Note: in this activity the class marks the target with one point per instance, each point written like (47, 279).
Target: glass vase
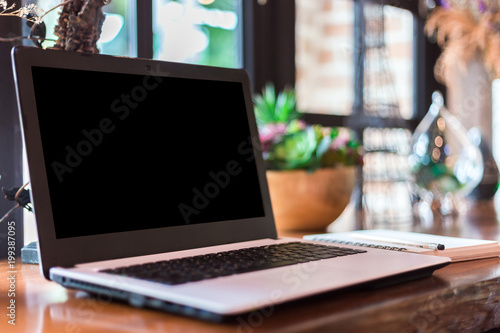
(445, 163)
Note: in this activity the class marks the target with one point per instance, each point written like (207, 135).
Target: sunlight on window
(193, 31)
(111, 27)
(118, 29)
(183, 39)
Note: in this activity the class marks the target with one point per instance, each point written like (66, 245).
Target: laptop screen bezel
(67, 252)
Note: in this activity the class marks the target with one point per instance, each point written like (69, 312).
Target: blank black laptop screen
(128, 152)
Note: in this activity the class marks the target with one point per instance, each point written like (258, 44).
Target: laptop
(148, 183)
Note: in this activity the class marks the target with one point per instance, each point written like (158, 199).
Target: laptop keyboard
(209, 266)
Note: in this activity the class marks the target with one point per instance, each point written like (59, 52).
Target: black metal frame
(269, 42)
(144, 40)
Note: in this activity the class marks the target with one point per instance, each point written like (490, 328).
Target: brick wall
(324, 55)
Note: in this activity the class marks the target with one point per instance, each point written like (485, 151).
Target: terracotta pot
(310, 201)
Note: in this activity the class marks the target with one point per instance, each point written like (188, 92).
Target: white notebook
(456, 248)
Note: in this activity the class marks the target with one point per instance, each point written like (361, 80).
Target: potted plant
(311, 169)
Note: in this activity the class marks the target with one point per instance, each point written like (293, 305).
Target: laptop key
(209, 266)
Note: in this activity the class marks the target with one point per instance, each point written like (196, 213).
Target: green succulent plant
(302, 149)
(276, 108)
(288, 143)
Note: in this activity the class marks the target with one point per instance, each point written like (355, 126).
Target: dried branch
(464, 37)
(28, 12)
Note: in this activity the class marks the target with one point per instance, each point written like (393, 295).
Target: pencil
(423, 245)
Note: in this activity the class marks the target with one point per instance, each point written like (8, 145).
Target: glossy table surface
(460, 297)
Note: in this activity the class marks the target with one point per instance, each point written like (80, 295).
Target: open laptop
(134, 163)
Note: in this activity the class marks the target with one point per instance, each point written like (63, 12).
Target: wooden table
(462, 297)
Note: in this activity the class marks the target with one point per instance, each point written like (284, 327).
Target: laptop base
(137, 300)
(141, 301)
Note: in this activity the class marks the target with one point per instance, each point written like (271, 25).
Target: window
(198, 31)
(207, 32)
(325, 57)
(118, 29)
